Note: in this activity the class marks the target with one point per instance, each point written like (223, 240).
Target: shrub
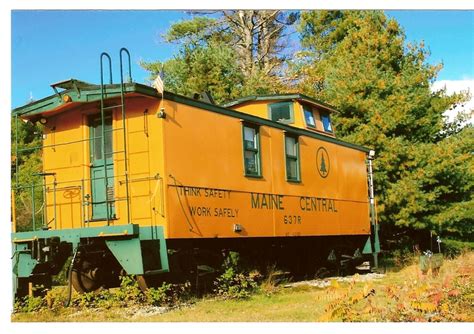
(129, 292)
(56, 298)
(28, 304)
(273, 278)
(159, 296)
(452, 248)
(234, 282)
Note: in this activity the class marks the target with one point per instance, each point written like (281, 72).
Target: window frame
(321, 115)
(305, 107)
(93, 121)
(292, 114)
(256, 151)
(296, 158)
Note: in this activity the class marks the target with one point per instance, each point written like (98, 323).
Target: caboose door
(102, 192)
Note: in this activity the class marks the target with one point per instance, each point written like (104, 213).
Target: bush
(273, 278)
(168, 294)
(452, 248)
(234, 282)
(129, 292)
(28, 304)
(403, 257)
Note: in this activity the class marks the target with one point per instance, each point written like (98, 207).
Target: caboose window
(292, 154)
(326, 121)
(308, 116)
(281, 112)
(251, 151)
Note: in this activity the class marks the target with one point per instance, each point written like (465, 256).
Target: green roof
(82, 92)
(279, 97)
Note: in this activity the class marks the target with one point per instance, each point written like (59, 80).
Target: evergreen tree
(359, 62)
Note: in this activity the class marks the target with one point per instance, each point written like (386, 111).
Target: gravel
(145, 311)
(323, 283)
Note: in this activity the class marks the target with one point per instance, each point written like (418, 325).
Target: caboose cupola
(296, 110)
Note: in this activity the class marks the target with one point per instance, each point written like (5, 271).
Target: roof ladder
(122, 103)
(102, 114)
(103, 108)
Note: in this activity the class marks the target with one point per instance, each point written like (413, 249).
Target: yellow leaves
(367, 290)
(381, 84)
(392, 292)
(423, 306)
(357, 298)
(404, 297)
(334, 284)
(420, 290)
(367, 310)
(326, 317)
(444, 308)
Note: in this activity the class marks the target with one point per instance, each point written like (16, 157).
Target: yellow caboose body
(132, 171)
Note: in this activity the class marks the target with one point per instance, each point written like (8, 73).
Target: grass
(404, 295)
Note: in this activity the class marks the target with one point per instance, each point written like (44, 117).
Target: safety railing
(35, 198)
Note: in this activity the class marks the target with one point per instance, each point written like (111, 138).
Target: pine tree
(359, 62)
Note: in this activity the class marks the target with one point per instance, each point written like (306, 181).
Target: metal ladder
(103, 108)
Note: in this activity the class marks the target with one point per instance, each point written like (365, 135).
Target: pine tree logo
(322, 162)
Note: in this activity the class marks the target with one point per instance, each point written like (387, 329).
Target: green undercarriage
(138, 250)
(37, 255)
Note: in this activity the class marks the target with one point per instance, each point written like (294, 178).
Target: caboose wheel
(86, 277)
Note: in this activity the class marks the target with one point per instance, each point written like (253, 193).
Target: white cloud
(456, 86)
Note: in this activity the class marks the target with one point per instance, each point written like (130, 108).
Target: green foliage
(126, 295)
(435, 191)
(62, 277)
(272, 279)
(238, 53)
(129, 292)
(212, 68)
(358, 62)
(168, 294)
(197, 31)
(402, 257)
(56, 298)
(234, 282)
(27, 136)
(455, 247)
(159, 296)
(28, 304)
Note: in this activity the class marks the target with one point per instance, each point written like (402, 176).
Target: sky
(51, 46)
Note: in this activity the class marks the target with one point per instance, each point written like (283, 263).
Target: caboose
(154, 184)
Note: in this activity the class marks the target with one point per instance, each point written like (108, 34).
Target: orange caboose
(135, 179)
